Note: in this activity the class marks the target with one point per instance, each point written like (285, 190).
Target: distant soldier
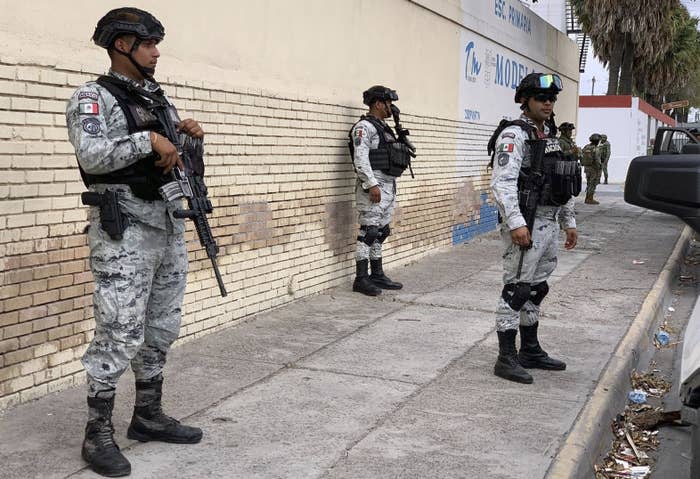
(378, 159)
(568, 145)
(604, 148)
(592, 165)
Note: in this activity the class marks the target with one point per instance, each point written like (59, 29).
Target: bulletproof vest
(391, 156)
(143, 177)
(561, 173)
(588, 155)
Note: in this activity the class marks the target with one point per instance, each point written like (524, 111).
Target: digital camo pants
(374, 214)
(538, 264)
(139, 286)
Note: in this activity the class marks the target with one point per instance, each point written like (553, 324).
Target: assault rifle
(189, 184)
(529, 191)
(402, 135)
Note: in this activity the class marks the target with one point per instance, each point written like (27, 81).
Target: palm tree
(626, 32)
(671, 76)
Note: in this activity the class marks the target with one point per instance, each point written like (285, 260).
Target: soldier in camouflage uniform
(592, 164)
(138, 254)
(530, 256)
(372, 146)
(604, 148)
(567, 143)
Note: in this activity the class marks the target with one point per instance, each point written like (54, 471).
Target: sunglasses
(544, 97)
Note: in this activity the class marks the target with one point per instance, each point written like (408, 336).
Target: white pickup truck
(669, 181)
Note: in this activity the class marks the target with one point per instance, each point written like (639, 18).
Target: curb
(585, 441)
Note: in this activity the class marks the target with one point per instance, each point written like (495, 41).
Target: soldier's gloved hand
(571, 238)
(375, 194)
(167, 152)
(191, 128)
(521, 236)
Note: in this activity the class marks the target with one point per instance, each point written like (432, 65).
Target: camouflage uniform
(568, 147)
(592, 167)
(366, 137)
(540, 260)
(139, 280)
(604, 149)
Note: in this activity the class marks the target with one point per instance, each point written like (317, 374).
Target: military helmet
(567, 126)
(127, 21)
(378, 93)
(603, 137)
(594, 137)
(535, 83)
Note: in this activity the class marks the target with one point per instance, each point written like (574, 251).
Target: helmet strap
(146, 72)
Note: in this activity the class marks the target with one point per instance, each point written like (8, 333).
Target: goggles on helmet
(549, 80)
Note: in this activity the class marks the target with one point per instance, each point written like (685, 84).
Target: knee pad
(384, 233)
(516, 295)
(540, 290)
(370, 236)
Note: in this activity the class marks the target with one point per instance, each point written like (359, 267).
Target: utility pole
(593, 85)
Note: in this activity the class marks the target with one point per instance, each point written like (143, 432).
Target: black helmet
(595, 137)
(535, 83)
(127, 21)
(378, 93)
(567, 126)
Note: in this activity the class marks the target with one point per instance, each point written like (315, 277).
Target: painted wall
(629, 129)
(276, 85)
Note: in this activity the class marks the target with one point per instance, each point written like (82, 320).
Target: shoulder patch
(91, 95)
(360, 132)
(508, 134)
(506, 148)
(91, 126)
(503, 159)
(91, 108)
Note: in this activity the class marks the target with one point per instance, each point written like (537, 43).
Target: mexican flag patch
(505, 148)
(89, 108)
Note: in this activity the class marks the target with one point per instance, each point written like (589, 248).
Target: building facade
(276, 85)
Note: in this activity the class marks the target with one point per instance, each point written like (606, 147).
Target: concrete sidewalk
(401, 386)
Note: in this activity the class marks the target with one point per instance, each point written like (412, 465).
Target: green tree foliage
(627, 35)
(677, 75)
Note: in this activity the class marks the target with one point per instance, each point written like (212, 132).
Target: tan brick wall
(282, 186)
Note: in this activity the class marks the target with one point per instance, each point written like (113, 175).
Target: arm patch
(91, 126)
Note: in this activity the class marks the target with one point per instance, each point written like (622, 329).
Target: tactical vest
(143, 177)
(588, 155)
(562, 175)
(561, 172)
(391, 156)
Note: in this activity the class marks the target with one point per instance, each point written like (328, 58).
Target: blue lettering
(521, 69)
(498, 8)
(472, 114)
(509, 73)
(499, 69)
(519, 20)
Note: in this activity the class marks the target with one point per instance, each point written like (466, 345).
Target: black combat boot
(379, 278)
(362, 282)
(532, 355)
(150, 424)
(507, 365)
(99, 449)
